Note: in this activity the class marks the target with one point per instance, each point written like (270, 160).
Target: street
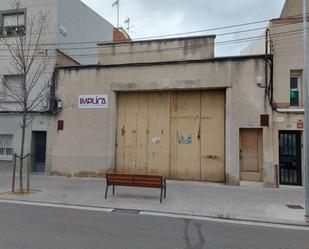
(34, 227)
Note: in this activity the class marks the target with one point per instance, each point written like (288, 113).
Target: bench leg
(106, 191)
(113, 190)
(161, 195)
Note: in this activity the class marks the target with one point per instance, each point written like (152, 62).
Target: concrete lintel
(179, 85)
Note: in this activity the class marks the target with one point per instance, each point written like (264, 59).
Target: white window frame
(297, 75)
(5, 147)
(18, 17)
(14, 29)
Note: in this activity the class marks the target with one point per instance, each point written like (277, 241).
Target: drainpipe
(266, 57)
(305, 76)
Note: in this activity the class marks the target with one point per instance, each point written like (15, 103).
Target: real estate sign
(93, 101)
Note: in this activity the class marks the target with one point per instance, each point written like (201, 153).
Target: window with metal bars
(6, 148)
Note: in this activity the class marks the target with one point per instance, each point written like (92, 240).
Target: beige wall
(88, 140)
(287, 49)
(287, 41)
(64, 60)
(87, 143)
(189, 48)
(293, 8)
(245, 101)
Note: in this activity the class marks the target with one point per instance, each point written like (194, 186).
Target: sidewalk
(188, 198)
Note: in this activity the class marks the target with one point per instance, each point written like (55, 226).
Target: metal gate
(290, 158)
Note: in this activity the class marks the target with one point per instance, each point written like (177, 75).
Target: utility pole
(127, 21)
(116, 3)
(306, 98)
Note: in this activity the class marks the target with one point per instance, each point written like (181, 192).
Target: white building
(73, 32)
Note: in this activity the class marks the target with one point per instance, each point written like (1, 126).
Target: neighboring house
(286, 39)
(73, 32)
(165, 107)
(119, 34)
(285, 45)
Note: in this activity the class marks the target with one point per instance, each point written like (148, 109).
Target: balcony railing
(13, 30)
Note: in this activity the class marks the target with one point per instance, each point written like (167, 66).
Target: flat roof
(143, 64)
(158, 40)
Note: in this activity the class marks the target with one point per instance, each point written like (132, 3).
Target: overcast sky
(160, 17)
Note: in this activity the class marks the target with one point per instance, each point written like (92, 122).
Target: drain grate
(294, 206)
(126, 211)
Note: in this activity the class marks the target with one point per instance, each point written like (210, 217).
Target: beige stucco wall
(64, 60)
(287, 49)
(293, 8)
(288, 55)
(176, 49)
(245, 102)
(88, 140)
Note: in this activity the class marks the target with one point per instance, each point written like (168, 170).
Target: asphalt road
(33, 227)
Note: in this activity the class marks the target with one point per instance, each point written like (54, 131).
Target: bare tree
(31, 67)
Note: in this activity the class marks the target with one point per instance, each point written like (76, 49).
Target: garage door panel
(121, 117)
(212, 153)
(185, 144)
(173, 148)
(130, 159)
(211, 101)
(212, 136)
(186, 104)
(187, 156)
(130, 141)
(159, 132)
(142, 133)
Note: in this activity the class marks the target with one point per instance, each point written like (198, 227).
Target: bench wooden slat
(132, 180)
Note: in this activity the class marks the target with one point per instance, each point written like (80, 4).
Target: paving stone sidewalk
(189, 198)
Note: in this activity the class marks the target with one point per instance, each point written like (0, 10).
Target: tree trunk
(23, 127)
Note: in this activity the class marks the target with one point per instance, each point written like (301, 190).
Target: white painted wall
(83, 25)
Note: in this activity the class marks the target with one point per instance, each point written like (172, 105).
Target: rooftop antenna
(116, 3)
(127, 21)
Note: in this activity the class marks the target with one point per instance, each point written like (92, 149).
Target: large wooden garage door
(143, 133)
(177, 134)
(185, 141)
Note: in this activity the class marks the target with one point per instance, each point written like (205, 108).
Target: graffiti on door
(185, 140)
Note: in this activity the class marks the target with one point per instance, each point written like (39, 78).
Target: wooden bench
(132, 180)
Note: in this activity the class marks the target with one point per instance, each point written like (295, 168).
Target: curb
(156, 212)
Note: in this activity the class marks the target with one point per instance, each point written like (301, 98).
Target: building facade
(284, 42)
(165, 107)
(73, 31)
(171, 107)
